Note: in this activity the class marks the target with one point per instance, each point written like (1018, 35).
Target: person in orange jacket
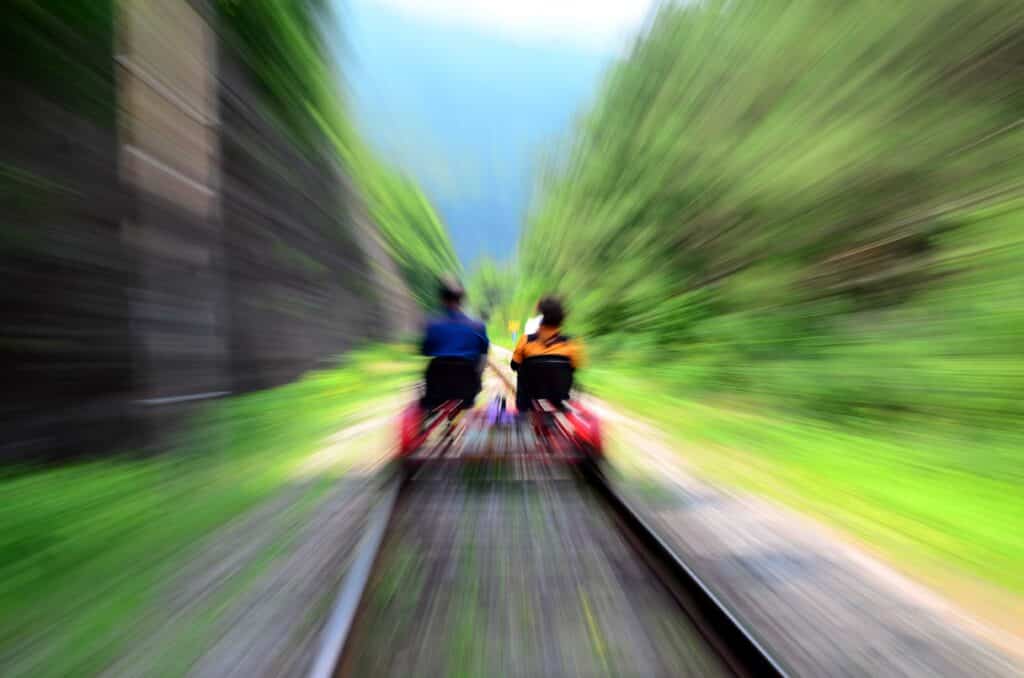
(547, 341)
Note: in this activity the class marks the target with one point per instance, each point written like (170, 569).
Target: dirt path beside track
(252, 598)
(822, 606)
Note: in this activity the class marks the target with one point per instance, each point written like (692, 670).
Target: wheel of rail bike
(415, 425)
(452, 423)
(586, 428)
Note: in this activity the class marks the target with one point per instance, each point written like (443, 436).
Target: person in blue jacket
(458, 346)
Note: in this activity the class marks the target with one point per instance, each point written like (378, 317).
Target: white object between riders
(532, 325)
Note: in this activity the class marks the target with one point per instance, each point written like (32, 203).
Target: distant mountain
(467, 114)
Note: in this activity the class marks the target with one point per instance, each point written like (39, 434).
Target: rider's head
(451, 291)
(552, 310)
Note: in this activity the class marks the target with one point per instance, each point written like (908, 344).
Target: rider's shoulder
(557, 339)
(471, 321)
(449, 319)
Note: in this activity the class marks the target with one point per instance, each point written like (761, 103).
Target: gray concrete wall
(169, 133)
(64, 277)
(175, 248)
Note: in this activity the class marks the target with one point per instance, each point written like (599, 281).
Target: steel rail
(735, 645)
(336, 632)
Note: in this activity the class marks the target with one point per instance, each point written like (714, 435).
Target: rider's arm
(577, 356)
(429, 344)
(518, 354)
(485, 338)
(485, 347)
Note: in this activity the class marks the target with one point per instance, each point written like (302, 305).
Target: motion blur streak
(184, 215)
(805, 221)
(188, 214)
(789, 232)
(474, 569)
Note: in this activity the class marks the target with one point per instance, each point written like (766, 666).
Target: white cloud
(602, 25)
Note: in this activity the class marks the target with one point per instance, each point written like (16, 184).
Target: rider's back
(455, 335)
(457, 345)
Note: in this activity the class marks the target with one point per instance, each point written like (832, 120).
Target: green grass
(194, 631)
(936, 497)
(84, 548)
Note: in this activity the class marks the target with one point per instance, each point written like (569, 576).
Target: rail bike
(544, 420)
(547, 436)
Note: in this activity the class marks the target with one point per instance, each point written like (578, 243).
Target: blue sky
(466, 95)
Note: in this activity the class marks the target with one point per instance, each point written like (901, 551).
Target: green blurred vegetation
(943, 499)
(285, 45)
(90, 544)
(65, 49)
(416, 237)
(491, 290)
(808, 216)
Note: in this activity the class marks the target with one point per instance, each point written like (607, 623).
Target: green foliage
(921, 492)
(796, 229)
(789, 195)
(84, 548)
(284, 45)
(490, 289)
(416, 237)
(63, 49)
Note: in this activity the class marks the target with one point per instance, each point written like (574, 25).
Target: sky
(467, 95)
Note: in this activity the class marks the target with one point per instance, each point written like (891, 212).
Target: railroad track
(367, 632)
(466, 570)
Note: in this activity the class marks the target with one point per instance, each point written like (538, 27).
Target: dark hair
(552, 310)
(450, 289)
